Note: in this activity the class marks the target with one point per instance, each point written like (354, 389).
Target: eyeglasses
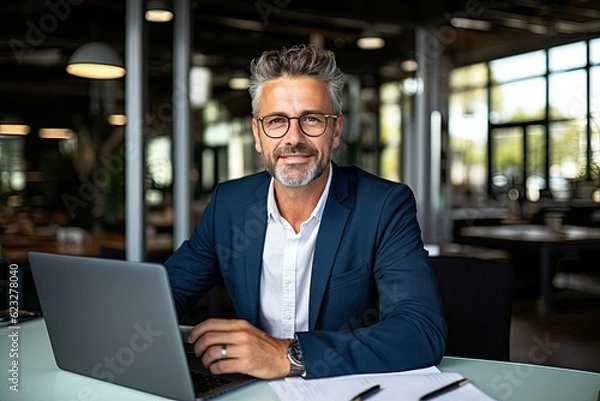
(311, 124)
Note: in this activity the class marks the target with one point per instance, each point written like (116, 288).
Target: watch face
(296, 352)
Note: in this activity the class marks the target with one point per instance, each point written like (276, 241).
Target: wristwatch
(294, 355)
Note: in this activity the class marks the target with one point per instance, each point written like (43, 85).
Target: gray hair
(293, 62)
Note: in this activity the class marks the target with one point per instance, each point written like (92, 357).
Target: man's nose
(295, 134)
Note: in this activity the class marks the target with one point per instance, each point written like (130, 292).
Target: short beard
(310, 176)
(302, 179)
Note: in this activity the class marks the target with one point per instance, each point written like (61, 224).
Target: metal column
(418, 143)
(134, 132)
(182, 132)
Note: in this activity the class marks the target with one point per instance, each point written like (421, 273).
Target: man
(324, 264)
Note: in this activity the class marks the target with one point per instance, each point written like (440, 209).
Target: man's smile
(294, 158)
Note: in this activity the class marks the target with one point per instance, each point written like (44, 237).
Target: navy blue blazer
(374, 301)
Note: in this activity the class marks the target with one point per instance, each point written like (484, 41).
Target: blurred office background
(488, 109)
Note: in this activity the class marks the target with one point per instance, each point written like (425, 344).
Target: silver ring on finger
(223, 352)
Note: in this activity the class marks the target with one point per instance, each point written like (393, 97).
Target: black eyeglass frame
(326, 116)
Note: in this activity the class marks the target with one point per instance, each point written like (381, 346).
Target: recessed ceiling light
(13, 125)
(470, 23)
(117, 119)
(409, 65)
(55, 133)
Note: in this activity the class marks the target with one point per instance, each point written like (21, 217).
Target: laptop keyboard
(204, 382)
(202, 379)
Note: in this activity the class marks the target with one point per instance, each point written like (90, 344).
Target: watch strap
(297, 367)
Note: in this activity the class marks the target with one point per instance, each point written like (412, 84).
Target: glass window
(567, 155)
(469, 76)
(595, 51)
(595, 93)
(158, 161)
(595, 142)
(536, 149)
(390, 163)
(390, 120)
(12, 164)
(518, 67)
(468, 143)
(568, 94)
(390, 93)
(507, 160)
(530, 150)
(595, 117)
(469, 103)
(518, 101)
(568, 56)
(536, 162)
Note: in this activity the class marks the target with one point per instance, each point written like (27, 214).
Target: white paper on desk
(406, 386)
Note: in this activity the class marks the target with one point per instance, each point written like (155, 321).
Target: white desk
(39, 379)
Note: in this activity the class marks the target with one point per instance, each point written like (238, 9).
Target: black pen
(445, 389)
(367, 393)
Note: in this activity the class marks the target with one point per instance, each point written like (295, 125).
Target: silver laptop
(115, 321)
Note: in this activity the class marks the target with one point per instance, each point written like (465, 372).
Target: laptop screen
(115, 321)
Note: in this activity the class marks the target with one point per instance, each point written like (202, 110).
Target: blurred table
(543, 239)
(453, 249)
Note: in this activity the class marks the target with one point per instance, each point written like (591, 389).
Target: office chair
(477, 297)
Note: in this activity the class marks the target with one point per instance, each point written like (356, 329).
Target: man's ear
(256, 135)
(337, 132)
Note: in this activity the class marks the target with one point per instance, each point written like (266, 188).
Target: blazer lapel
(255, 226)
(335, 218)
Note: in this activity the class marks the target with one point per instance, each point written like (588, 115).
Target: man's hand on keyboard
(236, 346)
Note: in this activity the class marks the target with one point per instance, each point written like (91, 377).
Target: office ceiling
(38, 36)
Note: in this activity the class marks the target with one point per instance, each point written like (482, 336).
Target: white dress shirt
(286, 269)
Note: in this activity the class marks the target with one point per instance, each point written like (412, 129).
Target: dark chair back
(477, 296)
(587, 216)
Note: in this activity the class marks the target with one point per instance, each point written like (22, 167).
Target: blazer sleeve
(193, 269)
(410, 331)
